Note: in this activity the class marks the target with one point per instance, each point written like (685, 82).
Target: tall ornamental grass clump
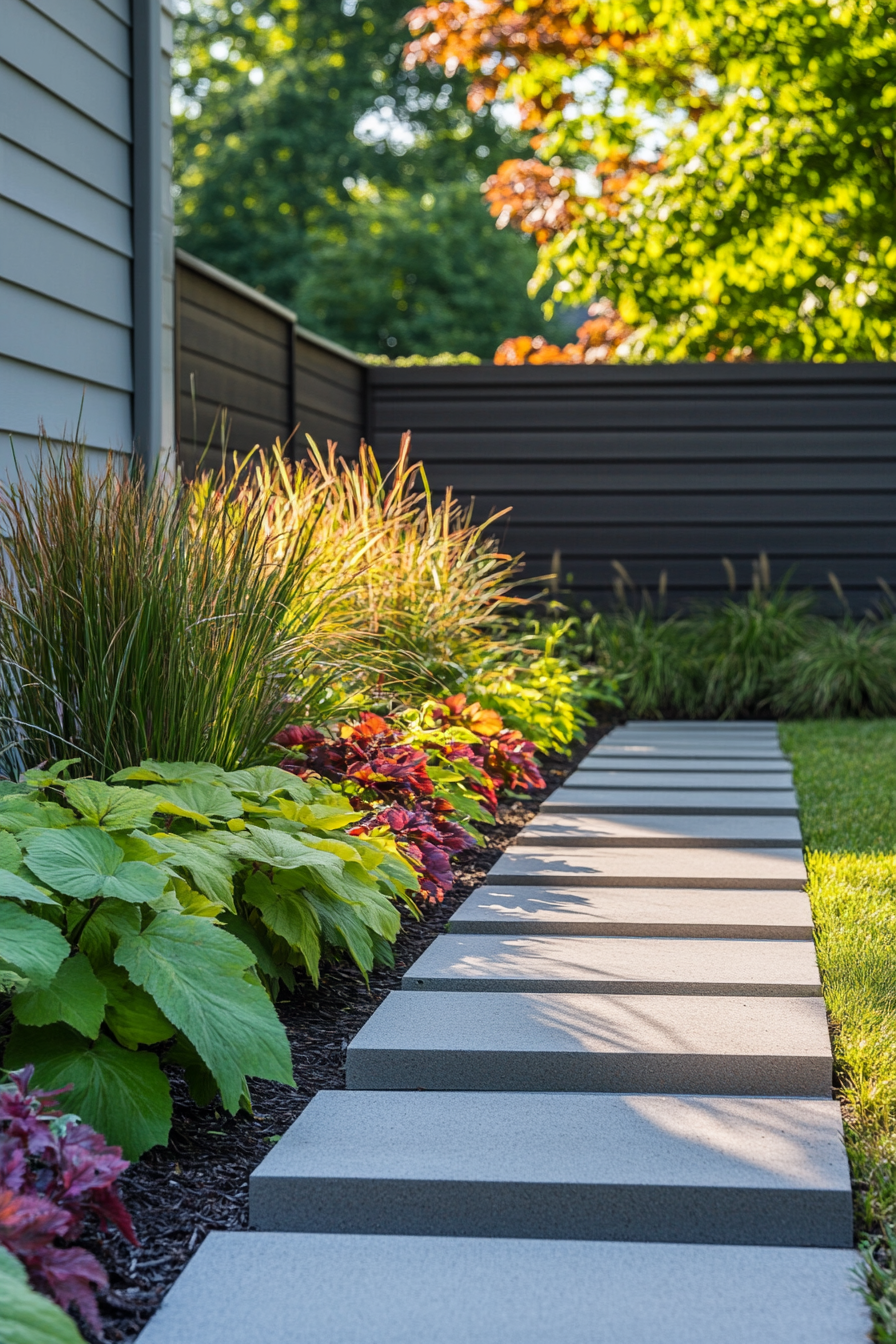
(427, 610)
(140, 619)
(433, 587)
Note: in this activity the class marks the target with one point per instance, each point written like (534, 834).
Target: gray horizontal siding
(31, 395)
(65, 194)
(65, 200)
(39, 331)
(664, 467)
(33, 118)
(60, 62)
(95, 26)
(48, 258)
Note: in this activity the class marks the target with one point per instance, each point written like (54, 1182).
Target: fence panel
(665, 467)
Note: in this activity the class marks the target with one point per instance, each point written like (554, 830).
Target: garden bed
(200, 1182)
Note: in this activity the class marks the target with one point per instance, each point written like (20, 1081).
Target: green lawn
(845, 774)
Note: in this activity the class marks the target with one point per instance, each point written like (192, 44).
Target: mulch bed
(200, 1182)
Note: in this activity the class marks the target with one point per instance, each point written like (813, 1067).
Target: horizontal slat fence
(246, 374)
(665, 467)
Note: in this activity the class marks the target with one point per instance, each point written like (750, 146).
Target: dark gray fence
(664, 467)
(668, 467)
(239, 352)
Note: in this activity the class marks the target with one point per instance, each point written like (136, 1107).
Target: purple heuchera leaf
(54, 1170)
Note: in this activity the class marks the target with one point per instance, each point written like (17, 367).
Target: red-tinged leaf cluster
(534, 197)
(427, 837)
(388, 779)
(371, 754)
(54, 1170)
(598, 340)
(503, 755)
(493, 39)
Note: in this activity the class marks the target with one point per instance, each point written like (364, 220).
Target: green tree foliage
(723, 170)
(430, 272)
(309, 164)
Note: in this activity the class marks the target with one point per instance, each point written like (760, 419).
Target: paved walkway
(599, 1110)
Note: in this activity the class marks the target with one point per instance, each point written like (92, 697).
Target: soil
(200, 1182)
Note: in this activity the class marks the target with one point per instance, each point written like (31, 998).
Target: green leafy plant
(168, 913)
(27, 1317)
(842, 669)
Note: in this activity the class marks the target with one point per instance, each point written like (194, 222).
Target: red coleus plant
(54, 1170)
(389, 782)
(503, 754)
(388, 777)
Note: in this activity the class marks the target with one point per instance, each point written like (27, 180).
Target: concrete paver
(672, 802)
(644, 866)
(478, 963)
(736, 1170)
(524, 1042)
(662, 830)
(295, 1288)
(651, 912)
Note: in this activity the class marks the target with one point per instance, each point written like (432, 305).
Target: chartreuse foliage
(168, 907)
(845, 777)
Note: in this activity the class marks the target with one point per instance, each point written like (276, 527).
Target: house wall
(67, 192)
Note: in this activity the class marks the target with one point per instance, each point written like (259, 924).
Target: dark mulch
(200, 1182)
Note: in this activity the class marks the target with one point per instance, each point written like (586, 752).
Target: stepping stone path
(597, 1112)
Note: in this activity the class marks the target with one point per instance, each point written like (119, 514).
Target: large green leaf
(206, 858)
(171, 772)
(114, 809)
(40, 778)
(199, 801)
(29, 944)
(288, 915)
(263, 781)
(195, 971)
(131, 1015)
(26, 1316)
(342, 927)
(200, 1080)
(254, 940)
(86, 862)
(15, 888)
(74, 995)
(106, 925)
(10, 853)
(22, 814)
(122, 1093)
(275, 849)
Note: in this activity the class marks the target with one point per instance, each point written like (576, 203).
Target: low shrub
(54, 1171)
(169, 913)
(765, 654)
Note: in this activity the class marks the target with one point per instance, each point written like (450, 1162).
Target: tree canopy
(722, 171)
(310, 164)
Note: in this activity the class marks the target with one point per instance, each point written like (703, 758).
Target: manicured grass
(845, 773)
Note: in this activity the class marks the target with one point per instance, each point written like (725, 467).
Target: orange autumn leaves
(599, 338)
(499, 42)
(494, 40)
